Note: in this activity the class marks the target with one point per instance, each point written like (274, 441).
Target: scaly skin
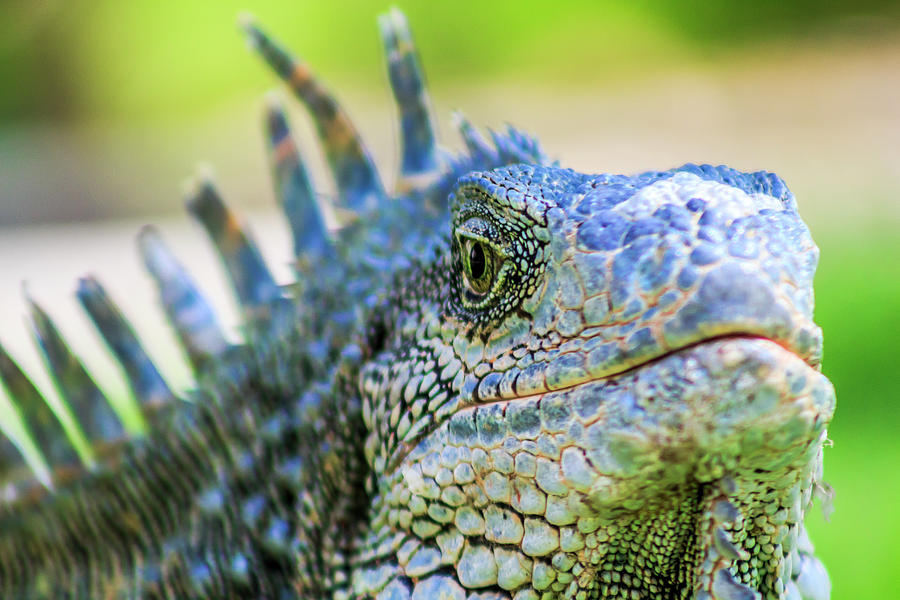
(632, 411)
(515, 381)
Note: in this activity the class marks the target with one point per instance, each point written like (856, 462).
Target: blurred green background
(106, 105)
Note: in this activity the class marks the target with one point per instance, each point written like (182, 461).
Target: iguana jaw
(717, 400)
(729, 346)
(655, 449)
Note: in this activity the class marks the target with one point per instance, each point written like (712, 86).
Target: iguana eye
(481, 264)
(478, 266)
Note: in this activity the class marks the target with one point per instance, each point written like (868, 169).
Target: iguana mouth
(813, 361)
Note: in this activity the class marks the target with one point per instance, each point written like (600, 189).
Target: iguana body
(513, 381)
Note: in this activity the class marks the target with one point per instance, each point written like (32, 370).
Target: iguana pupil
(477, 264)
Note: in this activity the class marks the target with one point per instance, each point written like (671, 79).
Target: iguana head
(606, 384)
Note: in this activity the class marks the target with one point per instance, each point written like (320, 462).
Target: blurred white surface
(49, 260)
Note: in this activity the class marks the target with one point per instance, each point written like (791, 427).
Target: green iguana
(504, 379)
